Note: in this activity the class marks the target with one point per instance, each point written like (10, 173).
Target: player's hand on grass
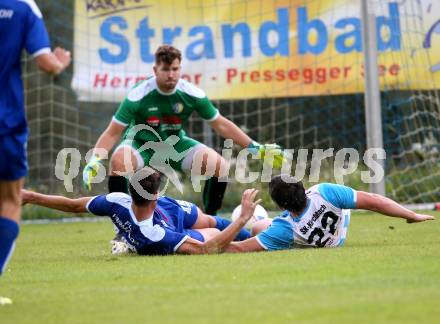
(420, 218)
(273, 149)
(90, 171)
(248, 204)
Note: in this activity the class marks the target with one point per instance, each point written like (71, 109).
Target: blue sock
(222, 223)
(8, 233)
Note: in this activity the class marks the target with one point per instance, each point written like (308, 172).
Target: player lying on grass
(317, 217)
(158, 226)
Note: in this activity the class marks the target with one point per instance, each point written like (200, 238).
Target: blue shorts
(195, 235)
(183, 214)
(13, 158)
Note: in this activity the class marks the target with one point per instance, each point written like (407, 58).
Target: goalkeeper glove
(273, 149)
(90, 171)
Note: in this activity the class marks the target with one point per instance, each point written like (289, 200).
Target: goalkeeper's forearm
(228, 130)
(108, 139)
(59, 202)
(105, 143)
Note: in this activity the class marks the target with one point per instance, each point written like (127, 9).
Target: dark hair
(149, 180)
(167, 54)
(288, 195)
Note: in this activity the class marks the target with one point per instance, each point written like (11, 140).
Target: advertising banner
(254, 49)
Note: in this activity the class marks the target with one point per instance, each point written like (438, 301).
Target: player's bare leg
(211, 160)
(10, 199)
(260, 226)
(123, 161)
(205, 221)
(10, 215)
(208, 233)
(212, 164)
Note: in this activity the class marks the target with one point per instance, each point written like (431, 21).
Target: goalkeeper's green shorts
(144, 155)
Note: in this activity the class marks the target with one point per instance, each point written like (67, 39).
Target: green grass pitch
(388, 272)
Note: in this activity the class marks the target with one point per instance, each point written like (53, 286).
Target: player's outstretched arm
(228, 130)
(219, 242)
(386, 206)
(54, 62)
(249, 245)
(55, 202)
(109, 137)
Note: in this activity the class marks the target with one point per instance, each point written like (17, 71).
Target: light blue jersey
(323, 223)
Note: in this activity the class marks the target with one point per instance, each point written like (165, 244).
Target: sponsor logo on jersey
(172, 123)
(178, 107)
(124, 227)
(153, 121)
(6, 14)
(313, 219)
(153, 109)
(172, 120)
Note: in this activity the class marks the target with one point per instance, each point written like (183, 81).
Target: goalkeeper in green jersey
(155, 110)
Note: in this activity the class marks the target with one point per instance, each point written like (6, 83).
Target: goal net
(289, 72)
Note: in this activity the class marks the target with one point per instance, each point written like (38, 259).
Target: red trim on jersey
(174, 120)
(163, 215)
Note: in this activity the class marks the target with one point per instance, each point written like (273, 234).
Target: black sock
(213, 193)
(117, 184)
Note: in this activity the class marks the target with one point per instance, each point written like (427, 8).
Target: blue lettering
(304, 27)
(115, 39)
(228, 39)
(281, 28)
(273, 36)
(144, 33)
(206, 43)
(168, 34)
(393, 24)
(356, 36)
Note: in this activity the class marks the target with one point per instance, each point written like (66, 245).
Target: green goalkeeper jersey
(166, 113)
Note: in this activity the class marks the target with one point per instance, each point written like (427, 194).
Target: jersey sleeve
(206, 109)
(99, 206)
(278, 236)
(126, 112)
(338, 195)
(164, 240)
(36, 38)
